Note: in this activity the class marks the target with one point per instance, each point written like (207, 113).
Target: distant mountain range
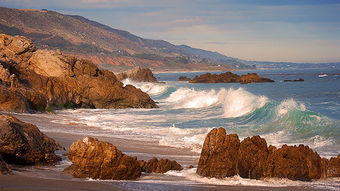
(107, 47)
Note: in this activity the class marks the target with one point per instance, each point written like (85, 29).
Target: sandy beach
(52, 178)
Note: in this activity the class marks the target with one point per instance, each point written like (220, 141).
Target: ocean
(282, 112)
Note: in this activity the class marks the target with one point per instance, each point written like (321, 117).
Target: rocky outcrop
(252, 78)
(253, 155)
(60, 80)
(4, 168)
(138, 74)
(101, 160)
(331, 167)
(298, 80)
(295, 163)
(159, 166)
(219, 156)
(224, 156)
(23, 143)
(183, 78)
(229, 77)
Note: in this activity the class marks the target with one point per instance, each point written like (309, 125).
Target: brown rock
(333, 169)
(183, 78)
(4, 168)
(160, 166)
(138, 74)
(253, 155)
(229, 77)
(101, 160)
(219, 156)
(190, 167)
(295, 163)
(253, 77)
(61, 80)
(23, 143)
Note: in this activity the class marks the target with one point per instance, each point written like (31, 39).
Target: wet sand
(52, 179)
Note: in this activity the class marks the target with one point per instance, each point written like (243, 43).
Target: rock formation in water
(183, 78)
(23, 143)
(137, 74)
(294, 162)
(253, 155)
(229, 77)
(219, 156)
(159, 166)
(298, 80)
(224, 156)
(33, 80)
(101, 160)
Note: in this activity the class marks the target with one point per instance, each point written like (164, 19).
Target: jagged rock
(219, 156)
(21, 100)
(138, 74)
(253, 155)
(332, 167)
(4, 168)
(159, 166)
(229, 77)
(252, 77)
(23, 143)
(295, 163)
(183, 78)
(63, 80)
(101, 160)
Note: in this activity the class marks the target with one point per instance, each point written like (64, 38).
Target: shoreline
(45, 178)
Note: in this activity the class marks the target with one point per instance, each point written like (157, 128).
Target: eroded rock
(101, 160)
(138, 74)
(219, 156)
(23, 143)
(160, 166)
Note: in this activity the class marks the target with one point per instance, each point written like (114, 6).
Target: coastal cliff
(38, 80)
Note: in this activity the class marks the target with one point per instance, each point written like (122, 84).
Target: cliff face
(43, 78)
(106, 46)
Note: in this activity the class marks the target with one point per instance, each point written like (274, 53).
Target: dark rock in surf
(159, 166)
(183, 78)
(23, 143)
(101, 160)
(252, 159)
(229, 77)
(137, 74)
(295, 163)
(219, 156)
(298, 80)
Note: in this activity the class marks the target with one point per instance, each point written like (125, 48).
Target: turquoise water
(282, 112)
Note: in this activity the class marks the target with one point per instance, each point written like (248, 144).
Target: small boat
(322, 75)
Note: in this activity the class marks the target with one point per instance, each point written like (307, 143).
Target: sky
(261, 30)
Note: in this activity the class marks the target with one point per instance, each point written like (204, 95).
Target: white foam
(288, 105)
(150, 88)
(235, 102)
(190, 174)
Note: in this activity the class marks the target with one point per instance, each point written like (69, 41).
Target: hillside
(107, 47)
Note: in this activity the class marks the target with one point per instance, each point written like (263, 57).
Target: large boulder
(183, 78)
(219, 156)
(295, 163)
(101, 160)
(23, 143)
(4, 168)
(331, 167)
(160, 166)
(62, 79)
(138, 74)
(229, 77)
(253, 155)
